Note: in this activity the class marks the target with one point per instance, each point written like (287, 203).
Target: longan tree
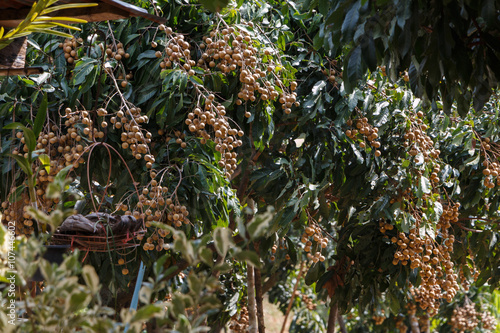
(264, 158)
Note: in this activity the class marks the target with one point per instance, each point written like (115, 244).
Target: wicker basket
(99, 243)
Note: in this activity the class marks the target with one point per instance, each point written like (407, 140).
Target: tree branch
(252, 315)
(340, 319)
(258, 299)
(332, 317)
(292, 297)
(414, 324)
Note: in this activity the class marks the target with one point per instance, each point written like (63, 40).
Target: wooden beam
(107, 10)
(14, 54)
(21, 71)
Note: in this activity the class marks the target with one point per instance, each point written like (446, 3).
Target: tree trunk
(414, 324)
(258, 299)
(424, 324)
(343, 329)
(290, 304)
(252, 316)
(332, 318)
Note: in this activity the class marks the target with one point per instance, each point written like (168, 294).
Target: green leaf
(472, 161)
(195, 80)
(91, 279)
(82, 70)
(61, 175)
(260, 224)
(394, 303)
(249, 256)
(206, 256)
(314, 273)
(40, 116)
(77, 301)
(50, 32)
(223, 241)
(16, 195)
(147, 312)
(350, 22)
(354, 69)
(424, 186)
(214, 5)
(369, 54)
(29, 136)
(23, 164)
(317, 87)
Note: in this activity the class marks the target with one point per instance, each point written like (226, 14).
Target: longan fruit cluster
(491, 170)
(179, 137)
(117, 53)
(379, 319)
(438, 279)
(383, 70)
(449, 216)
(157, 206)
(158, 236)
(125, 81)
(405, 76)
(474, 272)
(467, 319)
(418, 140)
(58, 148)
(177, 52)
(70, 49)
(150, 207)
(423, 323)
(124, 270)
(82, 117)
(132, 136)
(308, 301)
(434, 177)
(332, 73)
(178, 214)
(225, 137)
(320, 242)
(464, 318)
(230, 50)
(384, 226)
(239, 323)
(400, 325)
(282, 246)
(488, 321)
(17, 212)
(364, 131)
(234, 50)
(63, 148)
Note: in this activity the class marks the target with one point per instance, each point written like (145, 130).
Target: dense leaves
(448, 50)
(358, 162)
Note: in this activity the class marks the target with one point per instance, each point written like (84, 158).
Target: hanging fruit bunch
(233, 49)
(432, 259)
(70, 48)
(361, 131)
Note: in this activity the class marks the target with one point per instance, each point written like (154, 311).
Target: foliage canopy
(328, 150)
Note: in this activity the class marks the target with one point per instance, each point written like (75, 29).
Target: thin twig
(292, 298)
